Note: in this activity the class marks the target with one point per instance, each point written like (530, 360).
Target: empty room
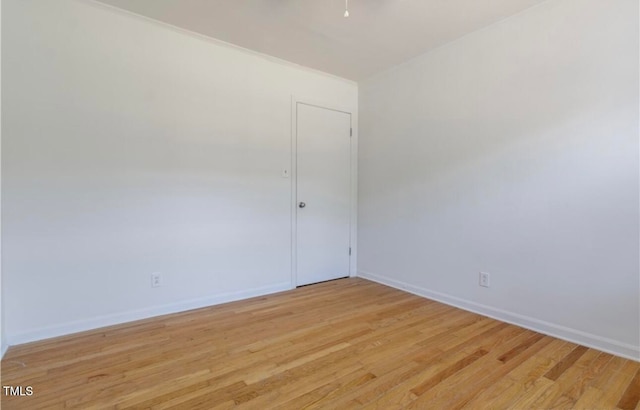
(332, 204)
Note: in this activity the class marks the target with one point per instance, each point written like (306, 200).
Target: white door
(323, 193)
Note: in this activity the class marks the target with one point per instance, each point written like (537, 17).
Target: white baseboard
(130, 316)
(604, 344)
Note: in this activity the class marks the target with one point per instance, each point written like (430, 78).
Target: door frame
(353, 212)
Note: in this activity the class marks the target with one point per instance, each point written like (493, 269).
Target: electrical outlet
(484, 279)
(156, 280)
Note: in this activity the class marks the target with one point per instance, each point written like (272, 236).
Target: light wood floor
(343, 344)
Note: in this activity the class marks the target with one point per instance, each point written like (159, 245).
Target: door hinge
(349, 250)
(351, 132)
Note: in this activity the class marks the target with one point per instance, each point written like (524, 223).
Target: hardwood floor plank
(449, 371)
(570, 375)
(479, 375)
(489, 375)
(521, 379)
(631, 397)
(344, 344)
(585, 375)
(565, 363)
(438, 363)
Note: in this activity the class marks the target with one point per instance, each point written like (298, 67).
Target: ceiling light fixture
(346, 8)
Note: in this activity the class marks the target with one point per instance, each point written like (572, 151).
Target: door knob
(302, 205)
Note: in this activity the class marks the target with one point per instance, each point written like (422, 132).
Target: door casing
(294, 181)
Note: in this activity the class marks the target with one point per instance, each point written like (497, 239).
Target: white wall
(3, 345)
(130, 148)
(514, 151)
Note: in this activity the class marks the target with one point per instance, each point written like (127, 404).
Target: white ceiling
(378, 35)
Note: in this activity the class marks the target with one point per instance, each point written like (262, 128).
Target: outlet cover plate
(156, 280)
(484, 279)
